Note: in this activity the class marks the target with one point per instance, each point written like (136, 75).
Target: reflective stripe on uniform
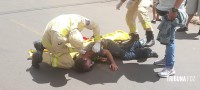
(65, 31)
(97, 37)
(71, 49)
(146, 25)
(55, 59)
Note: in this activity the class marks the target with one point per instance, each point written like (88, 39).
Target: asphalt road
(23, 21)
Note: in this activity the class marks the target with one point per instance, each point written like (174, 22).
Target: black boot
(38, 46)
(36, 59)
(199, 32)
(134, 37)
(150, 39)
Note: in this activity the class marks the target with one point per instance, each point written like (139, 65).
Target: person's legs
(144, 18)
(190, 16)
(169, 54)
(37, 56)
(36, 59)
(198, 8)
(130, 51)
(191, 9)
(131, 16)
(155, 15)
(65, 60)
(169, 57)
(198, 13)
(199, 32)
(58, 60)
(137, 44)
(150, 39)
(137, 50)
(185, 28)
(145, 52)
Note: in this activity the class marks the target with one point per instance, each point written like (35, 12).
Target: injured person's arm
(113, 65)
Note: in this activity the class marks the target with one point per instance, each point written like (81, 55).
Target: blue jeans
(170, 48)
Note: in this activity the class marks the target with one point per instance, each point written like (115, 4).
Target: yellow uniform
(138, 8)
(62, 33)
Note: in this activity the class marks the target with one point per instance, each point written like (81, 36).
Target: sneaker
(160, 62)
(182, 29)
(166, 72)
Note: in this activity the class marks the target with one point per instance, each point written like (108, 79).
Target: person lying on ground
(85, 62)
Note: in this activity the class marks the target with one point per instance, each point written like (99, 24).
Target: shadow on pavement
(100, 74)
(185, 35)
(47, 74)
(132, 71)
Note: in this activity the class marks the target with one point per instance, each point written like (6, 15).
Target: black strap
(186, 2)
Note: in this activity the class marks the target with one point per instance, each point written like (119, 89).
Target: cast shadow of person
(185, 35)
(46, 74)
(101, 73)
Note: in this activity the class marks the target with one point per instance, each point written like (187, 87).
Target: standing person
(138, 8)
(155, 15)
(192, 7)
(173, 14)
(61, 34)
(199, 31)
(110, 49)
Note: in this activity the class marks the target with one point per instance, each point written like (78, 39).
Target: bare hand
(114, 67)
(172, 15)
